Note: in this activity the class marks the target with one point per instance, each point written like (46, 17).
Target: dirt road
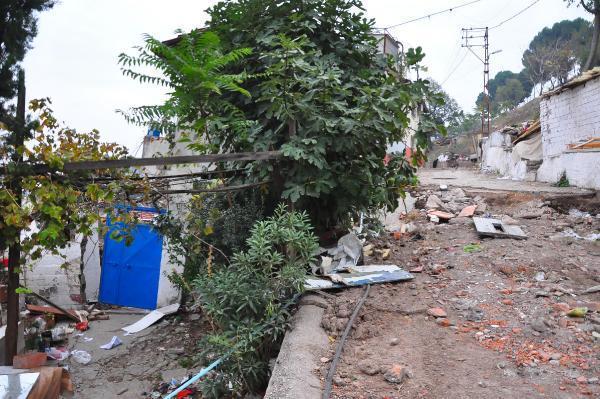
(506, 333)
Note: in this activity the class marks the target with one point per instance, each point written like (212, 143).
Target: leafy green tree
(555, 53)
(446, 112)
(192, 68)
(322, 94)
(509, 95)
(593, 7)
(18, 27)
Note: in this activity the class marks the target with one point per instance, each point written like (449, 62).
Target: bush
(563, 181)
(214, 227)
(248, 302)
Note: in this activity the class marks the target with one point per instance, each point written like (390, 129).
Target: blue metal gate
(130, 274)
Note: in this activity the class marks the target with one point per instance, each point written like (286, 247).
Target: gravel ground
(505, 334)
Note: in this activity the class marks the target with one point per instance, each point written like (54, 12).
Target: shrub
(213, 227)
(563, 181)
(248, 302)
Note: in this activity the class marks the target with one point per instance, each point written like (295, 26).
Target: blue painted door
(130, 273)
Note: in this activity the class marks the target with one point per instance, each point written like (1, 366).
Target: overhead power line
(435, 13)
(454, 69)
(516, 15)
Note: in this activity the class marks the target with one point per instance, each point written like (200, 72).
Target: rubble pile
(526, 313)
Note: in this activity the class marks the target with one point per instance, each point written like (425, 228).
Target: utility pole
(473, 38)
(14, 250)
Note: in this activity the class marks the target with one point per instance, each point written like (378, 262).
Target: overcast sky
(74, 56)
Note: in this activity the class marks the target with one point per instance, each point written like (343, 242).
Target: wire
(435, 13)
(340, 345)
(455, 68)
(516, 15)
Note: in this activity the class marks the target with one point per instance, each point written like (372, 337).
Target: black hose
(340, 345)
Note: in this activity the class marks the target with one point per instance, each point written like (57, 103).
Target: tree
(509, 95)
(322, 94)
(18, 26)
(39, 199)
(537, 65)
(593, 7)
(446, 112)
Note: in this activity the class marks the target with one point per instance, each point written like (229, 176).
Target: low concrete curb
(303, 345)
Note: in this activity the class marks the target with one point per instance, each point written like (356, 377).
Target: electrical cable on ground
(435, 13)
(516, 15)
(340, 345)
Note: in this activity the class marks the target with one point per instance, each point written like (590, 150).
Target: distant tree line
(554, 55)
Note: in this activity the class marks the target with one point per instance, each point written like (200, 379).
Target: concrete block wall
(570, 116)
(567, 118)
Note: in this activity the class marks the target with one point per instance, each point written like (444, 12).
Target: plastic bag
(81, 357)
(57, 353)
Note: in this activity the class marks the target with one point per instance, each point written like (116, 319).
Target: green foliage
(445, 110)
(593, 7)
(55, 206)
(470, 248)
(248, 301)
(563, 181)
(211, 229)
(555, 52)
(324, 96)
(553, 56)
(328, 100)
(509, 95)
(192, 69)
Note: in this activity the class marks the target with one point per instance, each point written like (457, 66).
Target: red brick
(29, 360)
(437, 312)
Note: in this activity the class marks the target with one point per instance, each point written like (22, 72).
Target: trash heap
(341, 266)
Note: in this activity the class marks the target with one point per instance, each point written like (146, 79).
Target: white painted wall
(501, 157)
(167, 292)
(59, 282)
(566, 118)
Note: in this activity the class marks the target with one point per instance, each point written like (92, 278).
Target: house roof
(578, 81)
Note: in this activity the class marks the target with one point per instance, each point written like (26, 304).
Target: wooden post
(14, 250)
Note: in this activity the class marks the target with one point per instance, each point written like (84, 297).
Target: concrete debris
(437, 312)
(592, 290)
(495, 228)
(508, 220)
(352, 247)
(434, 202)
(569, 233)
(369, 367)
(442, 216)
(468, 211)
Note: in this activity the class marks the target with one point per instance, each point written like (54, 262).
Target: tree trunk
(589, 64)
(14, 251)
(82, 282)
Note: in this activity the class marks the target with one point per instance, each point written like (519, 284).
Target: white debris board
(495, 228)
